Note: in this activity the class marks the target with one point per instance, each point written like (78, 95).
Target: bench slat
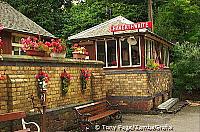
(12, 116)
(102, 115)
(91, 104)
(94, 109)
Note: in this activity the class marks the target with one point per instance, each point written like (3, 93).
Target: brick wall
(133, 90)
(3, 96)
(21, 83)
(138, 90)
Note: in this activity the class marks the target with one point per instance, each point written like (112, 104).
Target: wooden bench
(18, 115)
(88, 114)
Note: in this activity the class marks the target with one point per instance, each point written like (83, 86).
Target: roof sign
(134, 26)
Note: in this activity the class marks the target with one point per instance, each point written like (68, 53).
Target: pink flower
(1, 27)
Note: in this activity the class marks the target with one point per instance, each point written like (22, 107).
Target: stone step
(168, 104)
(177, 107)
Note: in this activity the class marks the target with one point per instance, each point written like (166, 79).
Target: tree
(93, 12)
(179, 20)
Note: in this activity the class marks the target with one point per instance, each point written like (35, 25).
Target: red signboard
(133, 26)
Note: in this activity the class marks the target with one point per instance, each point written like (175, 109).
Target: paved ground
(186, 120)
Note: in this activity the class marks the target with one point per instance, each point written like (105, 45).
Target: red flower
(48, 44)
(75, 45)
(2, 77)
(42, 75)
(65, 75)
(35, 39)
(161, 66)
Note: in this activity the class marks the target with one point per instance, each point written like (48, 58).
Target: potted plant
(154, 65)
(79, 52)
(34, 47)
(57, 47)
(65, 81)
(85, 75)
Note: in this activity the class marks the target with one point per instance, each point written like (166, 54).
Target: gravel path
(186, 120)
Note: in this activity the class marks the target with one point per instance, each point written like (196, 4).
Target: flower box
(35, 53)
(58, 55)
(77, 55)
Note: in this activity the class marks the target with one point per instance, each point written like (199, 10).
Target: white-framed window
(161, 54)
(130, 54)
(166, 56)
(106, 51)
(16, 46)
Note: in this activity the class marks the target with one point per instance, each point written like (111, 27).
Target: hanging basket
(35, 53)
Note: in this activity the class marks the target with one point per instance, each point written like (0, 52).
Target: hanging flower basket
(42, 80)
(85, 75)
(35, 53)
(65, 82)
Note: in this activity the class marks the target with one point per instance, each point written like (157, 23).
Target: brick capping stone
(134, 71)
(17, 60)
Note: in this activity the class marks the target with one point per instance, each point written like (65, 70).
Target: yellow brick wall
(3, 96)
(138, 83)
(21, 84)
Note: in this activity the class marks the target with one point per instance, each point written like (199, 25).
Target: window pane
(101, 56)
(125, 53)
(22, 52)
(148, 50)
(166, 57)
(111, 53)
(16, 50)
(162, 55)
(153, 50)
(135, 54)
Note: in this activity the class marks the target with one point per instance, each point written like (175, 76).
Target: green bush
(186, 67)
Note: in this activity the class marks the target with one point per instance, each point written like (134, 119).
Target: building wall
(134, 90)
(21, 83)
(3, 96)
(138, 90)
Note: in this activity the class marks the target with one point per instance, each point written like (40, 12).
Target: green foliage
(152, 65)
(179, 20)
(85, 15)
(186, 66)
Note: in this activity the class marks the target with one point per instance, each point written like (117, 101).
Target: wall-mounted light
(131, 40)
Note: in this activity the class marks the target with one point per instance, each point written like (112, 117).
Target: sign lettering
(134, 26)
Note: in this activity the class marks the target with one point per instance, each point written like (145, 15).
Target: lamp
(132, 41)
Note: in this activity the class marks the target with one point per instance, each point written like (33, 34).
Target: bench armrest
(26, 123)
(85, 116)
(115, 106)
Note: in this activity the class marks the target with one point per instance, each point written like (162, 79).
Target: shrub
(186, 66)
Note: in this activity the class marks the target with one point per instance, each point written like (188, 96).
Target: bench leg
(85, 127)
(118, 116)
